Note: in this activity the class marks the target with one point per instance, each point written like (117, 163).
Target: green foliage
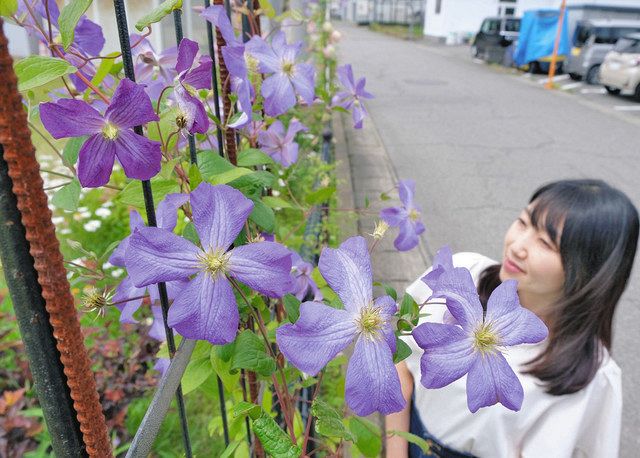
(68, 196)
(132, 193)
(292, 306)
(71, 150)
(68, 20)
(367, 436)
(412, 438)
(263, 216)
(249, 353)
(403, 351)
(251, 157)
(328, 421)
(158, 13)
(35, 71)
(199, 368)
(8, 7)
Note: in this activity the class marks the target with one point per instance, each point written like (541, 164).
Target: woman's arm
(397, 447)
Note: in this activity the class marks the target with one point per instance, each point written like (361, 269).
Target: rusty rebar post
(24, 171)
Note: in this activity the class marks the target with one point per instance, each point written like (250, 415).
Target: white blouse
(582, 424)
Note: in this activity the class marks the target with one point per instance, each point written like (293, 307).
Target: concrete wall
(457, 18)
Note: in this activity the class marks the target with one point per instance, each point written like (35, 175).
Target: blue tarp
(538, 34)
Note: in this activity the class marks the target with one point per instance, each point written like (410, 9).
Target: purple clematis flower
(350, 99)
(288, 77)
(162, 364)
(166, 219)
(443, 262)
(406, 216)
(110, 136)
(156, 331)
(234, 59)
(206, 308)
(321, 332)
(192, 115)
(280, 145)
(150, 64)
(474, 347)
(301, 271)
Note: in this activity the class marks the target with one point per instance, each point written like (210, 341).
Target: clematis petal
(448, 353)
(372, 382)
(407, 238)
(217, 15)
(304, 82)
(139, 156)
(360, 92)
(393, 216)
(512, 322)
(407, 190)
(388, 308)
(347, 270)
(264, 266)
(200, 77)
(457, 287)
(193, 110)
(130, 106)
(345, 75)
(174, 288)
(219, 212)
(88, 36)
(156, 255)
(95, 161)
(61, 118)
(288, 155)
(258, 48)
(162, 365)
(320, 333)
(167, 213)
(442, 262)
(118, 256)
(278, 94)
(234, 60)
(358, 114)
(491, 380)
(127, 290)
(206, 310)
(156, 331)
(187, 50)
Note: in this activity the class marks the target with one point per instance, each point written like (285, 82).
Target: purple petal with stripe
(219, 213)
(457, 288)
(347, 270)
(258, 48)
(187, 51)
(278, 94)
(388, 308)
(345, 75)
(303, 81)
(407, 238)
(372, 382)
(407, 190)
(393, 216)
(139, 156)
(156, 331)
(217, 15)
(448, 353)
(206, 310)
(167, 213)
(127, 290)
(95, 161)
(320, 333)
(263, 266)
(491, 380)
(117, 258)
(61, 118)
(88, 36)
(156, 255)
(130, 106)
(200, 77)
(442, 262)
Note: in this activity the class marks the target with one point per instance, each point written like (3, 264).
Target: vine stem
(307, 430)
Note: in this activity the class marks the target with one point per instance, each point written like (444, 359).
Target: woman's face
(532, 258)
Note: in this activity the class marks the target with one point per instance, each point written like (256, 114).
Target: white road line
(595, 90)
(566, 87)
(627, 107)
(478, 61)
(555, 79)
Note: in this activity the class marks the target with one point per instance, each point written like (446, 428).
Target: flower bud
(335, 36)
(327, 27)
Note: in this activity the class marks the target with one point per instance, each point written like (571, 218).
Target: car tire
(636, 94)
(535, 67)
(593, 75)
(475, 54)
(612, 90)
(575, 76)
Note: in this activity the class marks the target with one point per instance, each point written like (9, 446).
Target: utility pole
(556, 45)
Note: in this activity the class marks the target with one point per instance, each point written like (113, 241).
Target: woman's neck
(542, 306)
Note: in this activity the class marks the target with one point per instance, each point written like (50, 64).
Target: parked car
(593, 39)
(620, 71)
(496, 34)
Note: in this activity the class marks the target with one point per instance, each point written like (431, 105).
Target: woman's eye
(521, 222)
(545, 243)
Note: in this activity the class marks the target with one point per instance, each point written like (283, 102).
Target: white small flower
(108, 204)
(275, 193)
(117, 273)
(93, 225)
(82, 209)
(85, 214)
(107, 265)
(281, 182)
(103, 212)
(327, 27)
(57, 220)
(281, 172)
(65, 231)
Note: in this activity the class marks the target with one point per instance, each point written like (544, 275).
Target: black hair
(595, 227)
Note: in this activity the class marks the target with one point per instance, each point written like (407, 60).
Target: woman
(571, 251)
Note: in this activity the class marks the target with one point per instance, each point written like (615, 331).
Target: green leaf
(132, 192)
(320, 196)
(189, 232)
(195, 178)
(408, 308)
(329, 421)
(251, 157)
(276, 202)
(228, 176)
(198, 370)
(211, 163)
(403, 351)
(230, 450)
(35, 71)
(263, 216)
(244, 408)
(71, 149)
(367, 435)
(104, 68)
(158, 13)
(274, 440)
(252, 185)
(419, 441)
(250, 353)
(384, 196)
(292, 306)
(387, 289)
(267, 9)
(68, 20)
(67, 197)
(223, 369)
(8, 7)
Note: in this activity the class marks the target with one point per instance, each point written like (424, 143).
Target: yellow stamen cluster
(287, 68)
(181, 121)
(215, 262)
(370, 322)
(94, 300)
(109, 131)
(380, 229)
(485, 340)
(414, 215)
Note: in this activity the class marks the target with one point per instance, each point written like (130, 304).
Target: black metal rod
(127, 60)
(35, 330)
(214, 81)
(223, 411)
(177, 25)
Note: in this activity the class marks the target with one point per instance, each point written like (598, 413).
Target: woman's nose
(519, 247)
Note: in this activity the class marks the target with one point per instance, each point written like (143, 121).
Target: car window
(512, 25)
(604, 35)
(623, 44)
(581, 34)
(491, 26)
(621, 32)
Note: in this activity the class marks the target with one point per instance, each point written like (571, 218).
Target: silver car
(620, 71)
(593, 39)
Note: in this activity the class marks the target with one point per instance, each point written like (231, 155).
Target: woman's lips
(511, 267)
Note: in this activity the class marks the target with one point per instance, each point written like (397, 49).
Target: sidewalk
(365, 171)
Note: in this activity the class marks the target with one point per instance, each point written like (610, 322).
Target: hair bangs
(548, 213)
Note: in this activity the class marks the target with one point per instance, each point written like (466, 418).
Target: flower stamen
(370, 322)
(485, 340)
(109, 131)
(214, 262)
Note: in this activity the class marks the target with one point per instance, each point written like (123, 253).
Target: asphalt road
(479, 139)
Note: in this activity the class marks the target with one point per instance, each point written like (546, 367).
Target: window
(438, 6)
(509, 11)
(512, 25)
(491, 26)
